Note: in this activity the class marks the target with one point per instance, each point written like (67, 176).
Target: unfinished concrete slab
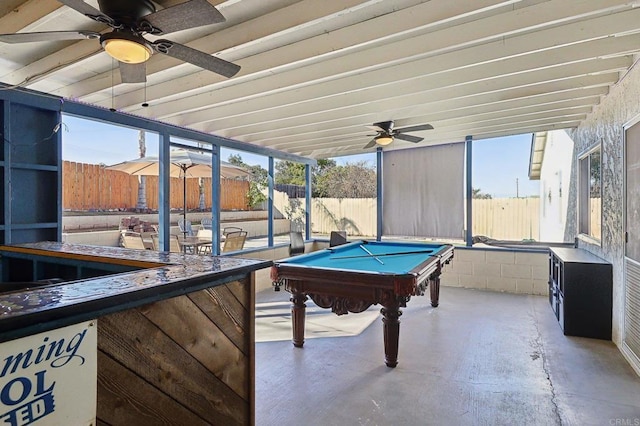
(478, 358)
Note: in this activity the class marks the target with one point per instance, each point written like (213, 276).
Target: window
(505, 202)
(590, 193)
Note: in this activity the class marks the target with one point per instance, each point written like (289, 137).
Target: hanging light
(126, 47)
(384, 140)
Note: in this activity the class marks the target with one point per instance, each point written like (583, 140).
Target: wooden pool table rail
(354, 291)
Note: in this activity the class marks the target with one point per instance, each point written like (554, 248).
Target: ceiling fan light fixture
(384, 140)
(126, 47)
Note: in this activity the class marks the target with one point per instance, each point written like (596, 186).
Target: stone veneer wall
(606, 124)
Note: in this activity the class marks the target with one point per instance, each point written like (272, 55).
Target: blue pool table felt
(394, 264)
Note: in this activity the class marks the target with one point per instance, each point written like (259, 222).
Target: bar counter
(175, 332)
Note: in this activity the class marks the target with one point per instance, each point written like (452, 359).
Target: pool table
(356, 275)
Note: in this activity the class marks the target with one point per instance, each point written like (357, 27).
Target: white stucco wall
(555, 181)
(605, 124)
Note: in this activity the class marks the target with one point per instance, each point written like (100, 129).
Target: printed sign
(50, 378)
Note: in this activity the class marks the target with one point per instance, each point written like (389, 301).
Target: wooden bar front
(175, 332)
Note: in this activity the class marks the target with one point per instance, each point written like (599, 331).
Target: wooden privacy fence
(507, 218)
(90, 187)
(499, 218)
(357, 216)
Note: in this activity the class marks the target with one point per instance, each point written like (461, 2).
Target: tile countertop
(161, 276)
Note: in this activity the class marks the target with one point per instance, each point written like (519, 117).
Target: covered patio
(327, 79)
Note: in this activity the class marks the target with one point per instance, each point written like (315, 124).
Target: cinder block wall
(505, 270)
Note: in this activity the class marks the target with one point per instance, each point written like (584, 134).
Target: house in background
(552, 163)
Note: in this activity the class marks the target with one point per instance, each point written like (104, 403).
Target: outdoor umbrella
(184, 164)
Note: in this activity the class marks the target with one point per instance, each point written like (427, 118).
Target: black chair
(337, 238)
(296, 246)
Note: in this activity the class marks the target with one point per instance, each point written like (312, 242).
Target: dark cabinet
(580, 292)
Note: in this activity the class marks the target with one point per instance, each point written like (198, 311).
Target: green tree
(289, 173)
(479, 195)
(292, 173)
(329, 180)
(258, 181)
(357, 180)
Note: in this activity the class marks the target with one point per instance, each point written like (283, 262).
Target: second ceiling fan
(129, 20)
(387, 133)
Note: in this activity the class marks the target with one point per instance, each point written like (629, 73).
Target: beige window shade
(423, 192)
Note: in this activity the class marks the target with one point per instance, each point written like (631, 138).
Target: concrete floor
(480, 358)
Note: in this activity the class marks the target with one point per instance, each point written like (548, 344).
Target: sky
(500, 165)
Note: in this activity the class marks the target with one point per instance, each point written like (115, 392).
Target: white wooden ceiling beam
(504, 100)
(23, 15)
(358, 41)
(352, 149)
(566, 75)
(246, 38)
(466, 81)
(448, 39)
(353, 125)
(572, 107)
(78, 52)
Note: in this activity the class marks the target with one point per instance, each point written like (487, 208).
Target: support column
(270, 203)
(307, 218)
(379, 194)
(164, 191)
(469, 190)
(215, 199)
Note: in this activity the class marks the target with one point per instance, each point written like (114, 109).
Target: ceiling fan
(386, 133)
(129, 20)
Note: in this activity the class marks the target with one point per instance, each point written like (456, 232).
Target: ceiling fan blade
(376, 128)
(415, 128)
(87, 10)
(370, 144)
(190, 14)
(408, 138)
(196, 57)
(133, 73)
(47, 36)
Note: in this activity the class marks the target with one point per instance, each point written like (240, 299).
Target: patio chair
(174, 244)
(133, 242)
(206, 223)
(337, 238)
(146, 239)
(204, 233)
(230, 229)
(234, 241)
(296, 245)
(155, 241)
(185, 226)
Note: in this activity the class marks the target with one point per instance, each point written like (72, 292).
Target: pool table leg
(434, 287)
(391, 330)
(298, 309)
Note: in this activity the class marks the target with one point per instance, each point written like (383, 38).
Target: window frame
(584, 199)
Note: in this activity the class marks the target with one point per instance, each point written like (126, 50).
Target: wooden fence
(499, 218)
(507, 218)
(90, 187)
